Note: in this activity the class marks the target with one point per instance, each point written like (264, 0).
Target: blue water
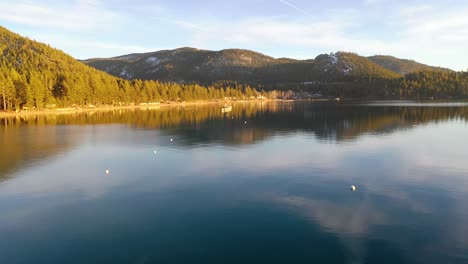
(265, 183)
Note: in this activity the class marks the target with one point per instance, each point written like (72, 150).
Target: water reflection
(328, 121)
(273, 190)
(26, 145)
(35, 138)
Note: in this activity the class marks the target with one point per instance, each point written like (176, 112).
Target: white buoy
(172, 139)
(155, 152)
(107, 172)
(245, 122)
(353, 188)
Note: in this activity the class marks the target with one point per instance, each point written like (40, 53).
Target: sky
(431, 31)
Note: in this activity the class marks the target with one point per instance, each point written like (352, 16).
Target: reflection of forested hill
(351, 121)
(326, 121)
(207, 124)
(24, 144)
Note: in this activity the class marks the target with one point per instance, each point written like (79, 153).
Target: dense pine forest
(35, 75)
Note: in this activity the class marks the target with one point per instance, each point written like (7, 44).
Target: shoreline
(105, 108)
(149, 106)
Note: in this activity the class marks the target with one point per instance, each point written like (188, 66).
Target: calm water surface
(265, 183)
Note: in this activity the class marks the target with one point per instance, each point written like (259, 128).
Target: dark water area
(264, 183)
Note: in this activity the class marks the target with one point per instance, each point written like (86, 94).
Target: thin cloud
(295, 7)
(78, 16)
(373, 2)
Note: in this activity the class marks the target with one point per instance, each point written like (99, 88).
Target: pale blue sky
(433, 32)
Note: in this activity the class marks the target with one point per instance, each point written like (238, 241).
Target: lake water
(265, 183)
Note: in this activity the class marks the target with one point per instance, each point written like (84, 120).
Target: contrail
(297, 8)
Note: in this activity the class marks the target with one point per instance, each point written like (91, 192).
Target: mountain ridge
(380, 59)
(188, 64)
(403, 66)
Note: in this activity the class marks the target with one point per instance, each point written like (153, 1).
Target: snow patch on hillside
(347, 68)
(334, 58)
(125, 74)
(110, 68)
(154, 61)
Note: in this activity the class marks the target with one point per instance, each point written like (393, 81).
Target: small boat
(226, 109)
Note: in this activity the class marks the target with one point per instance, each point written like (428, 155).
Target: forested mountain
(192, 65)
(187, 64)
(342, 74)
(403, 66)
(337, 74)
(33, 74)
(436, 84)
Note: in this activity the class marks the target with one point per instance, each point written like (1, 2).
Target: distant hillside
(349, 66)
(192, 65)
(188, 64)
(341, 74)
(402, 66)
